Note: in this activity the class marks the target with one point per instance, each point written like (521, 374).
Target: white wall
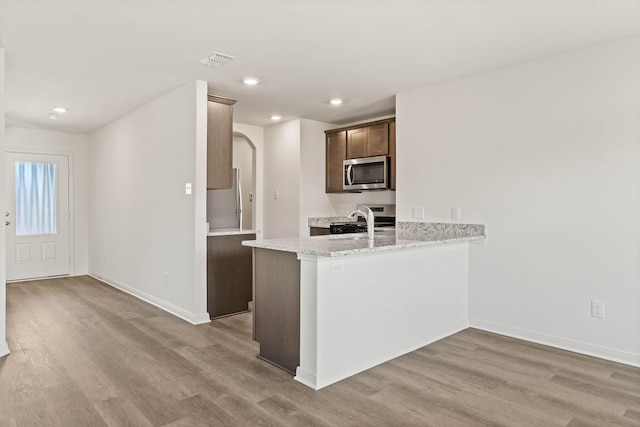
(243, 161)
(282, 173)
(142, 223)
(546, 155)
(77, 148)
(314, 202)
(4, 348)
(255, 134)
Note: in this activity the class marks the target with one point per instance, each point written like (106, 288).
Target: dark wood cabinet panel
(392, 155)
(357, 143)
(335, 155)
(229, 274)
(318, 231)
(219, 142)
(276, 307)
(378, 143)
(368, 141)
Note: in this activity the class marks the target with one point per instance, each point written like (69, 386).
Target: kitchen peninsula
(328, 307)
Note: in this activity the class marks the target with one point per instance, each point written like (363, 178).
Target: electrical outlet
(455, 212)
(165, 278)
(385, 311)
(187, 188)
(276, 194)
(418, 212)
(597, 309)
(337, 267)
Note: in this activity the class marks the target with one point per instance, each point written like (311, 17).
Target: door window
(35, 198)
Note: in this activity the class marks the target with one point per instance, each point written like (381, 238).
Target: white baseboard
(326, 377)
(600, 352)
(4, 349)
(193, 318)
(307, 378)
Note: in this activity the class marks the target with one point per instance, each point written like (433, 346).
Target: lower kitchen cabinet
(229, 274)
(319, 231)
(276, 313)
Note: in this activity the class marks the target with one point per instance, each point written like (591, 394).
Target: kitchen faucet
(368, 217)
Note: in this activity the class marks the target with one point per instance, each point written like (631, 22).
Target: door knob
(7, 223)
(6, 214)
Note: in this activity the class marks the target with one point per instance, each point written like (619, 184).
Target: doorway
(37, 216)
(244, 161)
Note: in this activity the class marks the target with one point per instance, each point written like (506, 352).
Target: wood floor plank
(8, 422)
(632, 414)
(83, 353)
(120, 412)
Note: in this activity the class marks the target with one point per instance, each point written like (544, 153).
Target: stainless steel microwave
(367, 173)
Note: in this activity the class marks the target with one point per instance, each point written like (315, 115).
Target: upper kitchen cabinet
(392, 155)
(219, 142)
(365, 140)
(336, 154)
(368, 141)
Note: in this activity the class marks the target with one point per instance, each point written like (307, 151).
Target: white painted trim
(305, 377)
(347, 370)
(4, 349)
(194, 319)
(600, 352)
(70, 197)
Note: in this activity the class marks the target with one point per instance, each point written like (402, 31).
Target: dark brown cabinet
(318, 231)
(392, 155)
(229, 274)
(276, 313)
(365, 140)
(368, 141)
(219, 142)
(336, 154)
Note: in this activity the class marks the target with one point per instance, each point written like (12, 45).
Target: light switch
(418, 212)
(187, 188)
(276, 194)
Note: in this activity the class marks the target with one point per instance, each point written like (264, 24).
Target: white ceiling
(103, 58)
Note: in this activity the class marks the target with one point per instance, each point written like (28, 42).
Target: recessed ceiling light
(335, 101)
(53, 116)
(276, 117)
(60, 110)
(251, 81)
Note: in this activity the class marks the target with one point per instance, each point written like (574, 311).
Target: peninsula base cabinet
(229, 288)
(276, 313)
(325, 327)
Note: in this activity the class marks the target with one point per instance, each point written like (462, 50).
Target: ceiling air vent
(216, 59)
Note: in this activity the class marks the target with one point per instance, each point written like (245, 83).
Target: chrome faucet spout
(368, 217)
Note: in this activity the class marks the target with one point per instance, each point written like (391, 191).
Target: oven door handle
(350, 174)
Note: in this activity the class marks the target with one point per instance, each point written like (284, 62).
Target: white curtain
(35, 198)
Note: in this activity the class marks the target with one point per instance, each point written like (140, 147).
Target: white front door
(37, 217)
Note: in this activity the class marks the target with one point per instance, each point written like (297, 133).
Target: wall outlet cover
(597, 309)
(418, 212)
(455, 212)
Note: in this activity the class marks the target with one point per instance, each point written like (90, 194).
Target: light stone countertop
(213, 232)
(326, 221)
(350, 244)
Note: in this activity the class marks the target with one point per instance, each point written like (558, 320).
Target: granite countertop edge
(228, 232)
(318, 245)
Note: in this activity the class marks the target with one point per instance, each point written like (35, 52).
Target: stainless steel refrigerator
(224, 207)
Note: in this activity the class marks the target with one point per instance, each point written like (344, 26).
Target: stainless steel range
(384, 217)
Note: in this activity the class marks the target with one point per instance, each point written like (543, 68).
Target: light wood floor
(84, 354)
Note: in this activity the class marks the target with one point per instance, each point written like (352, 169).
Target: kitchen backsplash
(436, 230)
